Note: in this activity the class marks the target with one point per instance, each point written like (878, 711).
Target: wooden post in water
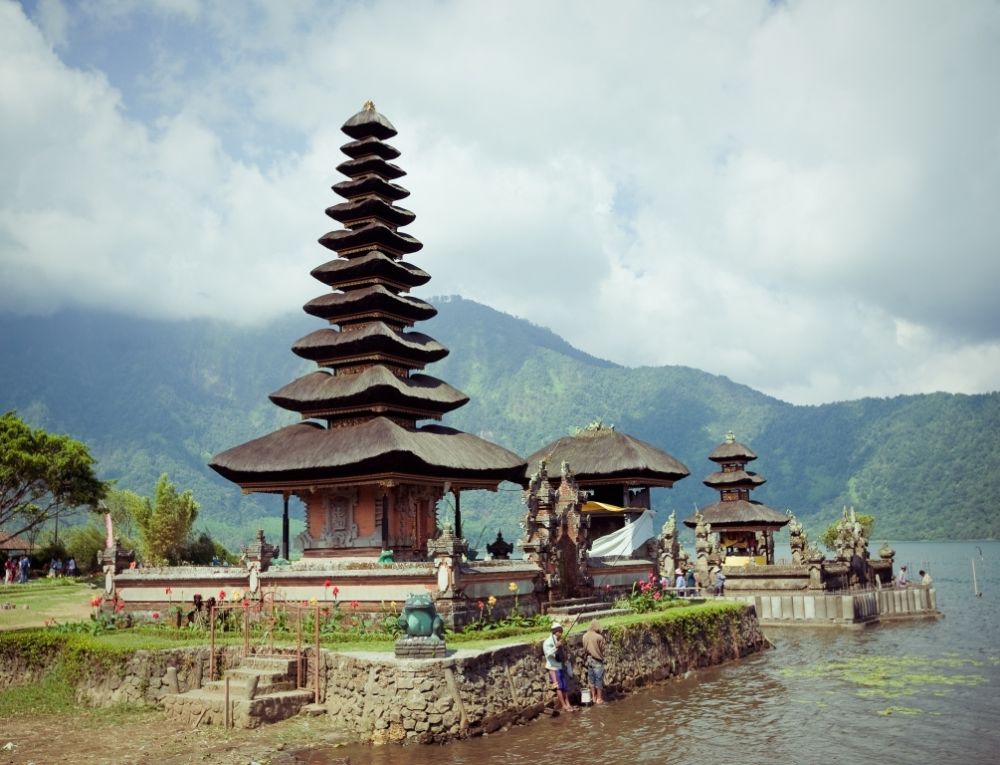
(975, 585)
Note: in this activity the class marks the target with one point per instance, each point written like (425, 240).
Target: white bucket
(585, 696)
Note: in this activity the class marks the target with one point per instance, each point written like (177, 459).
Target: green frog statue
(420, 618)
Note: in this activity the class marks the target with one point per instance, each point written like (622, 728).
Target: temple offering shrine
(744, 526)
(368, 475)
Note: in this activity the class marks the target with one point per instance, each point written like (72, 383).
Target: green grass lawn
(44, 600)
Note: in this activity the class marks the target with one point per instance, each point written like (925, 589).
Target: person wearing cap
(680, 585)
(594, 643)
(555, 656)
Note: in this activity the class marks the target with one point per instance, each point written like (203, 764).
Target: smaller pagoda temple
(744, 526)
(613, 471)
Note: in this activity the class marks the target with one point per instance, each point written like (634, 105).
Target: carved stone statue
(667, 548)
(796, 539)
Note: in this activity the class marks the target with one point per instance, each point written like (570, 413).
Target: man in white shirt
(555, 656)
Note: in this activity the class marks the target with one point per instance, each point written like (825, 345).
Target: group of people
(903, 579)
(56, 567)
(16, 570)
(558, 663)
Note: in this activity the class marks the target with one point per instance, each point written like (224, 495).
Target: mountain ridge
(153, 396)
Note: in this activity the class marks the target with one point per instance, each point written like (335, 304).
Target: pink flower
(354, 604)
(656, 596)
(481, 605)
(336, 591)
(155, 614)
(168, 590)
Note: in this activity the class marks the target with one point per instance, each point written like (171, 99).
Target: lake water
(917, 692)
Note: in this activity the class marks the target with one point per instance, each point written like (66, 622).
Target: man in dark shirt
(594, 643)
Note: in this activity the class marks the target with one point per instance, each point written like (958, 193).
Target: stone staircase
(582, 609)
(261, 690)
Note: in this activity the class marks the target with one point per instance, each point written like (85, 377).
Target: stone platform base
(420, 648)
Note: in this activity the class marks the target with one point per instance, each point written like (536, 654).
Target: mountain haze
(155, 396)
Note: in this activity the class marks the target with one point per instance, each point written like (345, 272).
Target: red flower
(481, 605)
(354, 604)
(222, 594)
(96, 601)
(168, 590)
(155, 614)
(336, 591)
(327, 584)
(656, 596)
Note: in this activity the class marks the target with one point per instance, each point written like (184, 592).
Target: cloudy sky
(802, 196)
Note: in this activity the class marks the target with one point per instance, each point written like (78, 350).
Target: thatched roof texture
(600, 453)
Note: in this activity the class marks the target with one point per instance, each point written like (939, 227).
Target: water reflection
(767, 709)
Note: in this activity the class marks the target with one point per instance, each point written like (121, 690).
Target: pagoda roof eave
(307, 453)
(609, 456)
(739, 512)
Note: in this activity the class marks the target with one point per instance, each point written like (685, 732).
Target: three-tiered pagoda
(745, 527)
(368, 476)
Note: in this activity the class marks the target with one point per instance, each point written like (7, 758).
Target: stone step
(284, 665)
(558, 604)
(578, 608)
(203, 707)
(238, 686)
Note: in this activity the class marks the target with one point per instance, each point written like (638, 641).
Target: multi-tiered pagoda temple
(368, 476)
(745, 527)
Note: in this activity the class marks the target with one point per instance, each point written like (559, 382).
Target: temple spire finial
(369, 106)
(730, 437)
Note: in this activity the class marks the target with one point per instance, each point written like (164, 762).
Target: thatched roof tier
(368, 146)
(376, 340)
(379, 449)
(368, 303)
(370, 184)
(734, 478)
(739, 512)
(605, 455)
(374, 267)
(373, 235)
(370, 164)
(368, 123)
(322, 394)
(364, 208)
(732, 451)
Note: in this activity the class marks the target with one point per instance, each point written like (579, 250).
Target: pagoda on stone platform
(745, 527)
(369, 477)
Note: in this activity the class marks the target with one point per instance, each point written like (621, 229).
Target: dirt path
(99, 737)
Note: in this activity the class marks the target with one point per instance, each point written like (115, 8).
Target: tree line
(47, 478)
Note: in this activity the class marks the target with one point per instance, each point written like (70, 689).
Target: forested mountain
(155, 396)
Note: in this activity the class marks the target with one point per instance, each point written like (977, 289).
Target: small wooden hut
(613, 470)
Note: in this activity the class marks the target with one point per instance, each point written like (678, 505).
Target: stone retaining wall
(846, 609)
(382, 699)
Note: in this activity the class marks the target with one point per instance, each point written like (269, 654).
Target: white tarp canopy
(626, 540)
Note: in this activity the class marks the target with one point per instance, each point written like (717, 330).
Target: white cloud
(798, 196)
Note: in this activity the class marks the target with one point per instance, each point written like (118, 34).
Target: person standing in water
(594, 643)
